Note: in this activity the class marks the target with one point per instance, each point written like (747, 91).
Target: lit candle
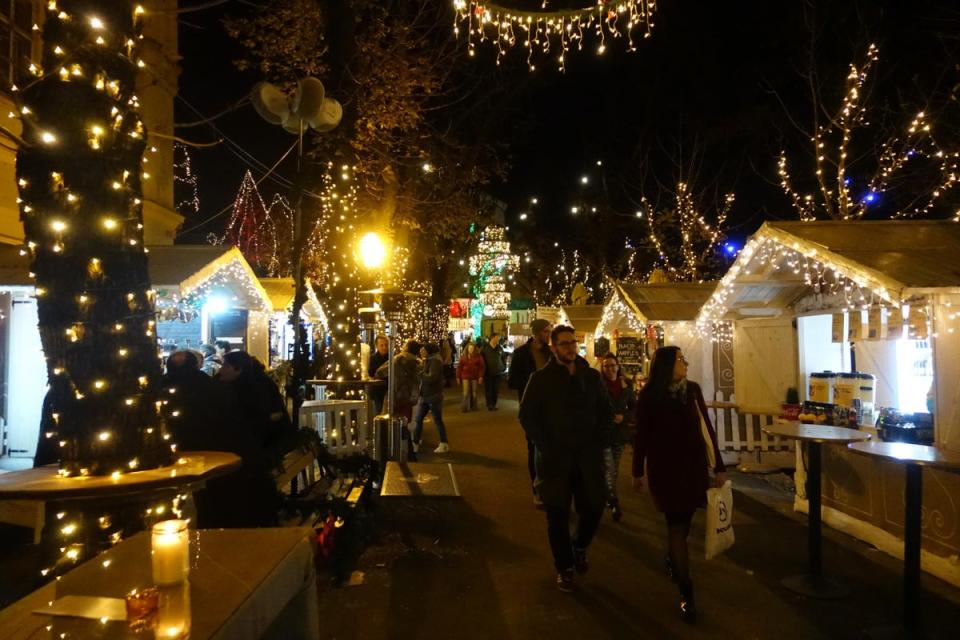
(170, 552)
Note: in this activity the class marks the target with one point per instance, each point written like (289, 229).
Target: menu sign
(874, 323)
(837, 329)
(894, 323)
(628, 353)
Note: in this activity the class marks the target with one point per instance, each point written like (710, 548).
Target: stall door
(764, 363)
(26, 380)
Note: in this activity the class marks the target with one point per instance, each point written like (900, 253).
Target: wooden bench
(302, 481)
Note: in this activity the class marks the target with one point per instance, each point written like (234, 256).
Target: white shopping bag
(719, 520)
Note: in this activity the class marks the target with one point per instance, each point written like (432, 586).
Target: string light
(492, 262)
(540, 32)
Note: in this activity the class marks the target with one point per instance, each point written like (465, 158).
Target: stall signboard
(894, 323)
(856, 330)
(601, 347)
(837, 329)
(628, 353)
(874, 323)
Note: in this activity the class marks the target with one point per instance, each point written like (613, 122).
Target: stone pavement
(479, 567)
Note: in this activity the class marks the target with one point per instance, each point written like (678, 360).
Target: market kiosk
(865, 312)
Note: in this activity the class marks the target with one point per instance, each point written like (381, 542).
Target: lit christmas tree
(183, 175)
(490, 265)
(251, 229)
(79, 174)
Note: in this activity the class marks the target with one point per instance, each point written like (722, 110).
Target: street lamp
(372, 251)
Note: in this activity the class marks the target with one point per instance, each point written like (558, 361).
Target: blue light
(846, 182)
(731, 248)
(870, 198)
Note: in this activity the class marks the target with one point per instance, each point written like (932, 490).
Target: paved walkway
(480, 567)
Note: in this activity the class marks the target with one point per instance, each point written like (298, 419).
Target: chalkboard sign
(601, 347)
(628, 353)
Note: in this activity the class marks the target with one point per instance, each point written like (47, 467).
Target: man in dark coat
(566, 412)
(533, 355)
(203, 416)
(378, 358)
(493, 359)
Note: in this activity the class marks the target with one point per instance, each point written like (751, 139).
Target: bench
(304, 482)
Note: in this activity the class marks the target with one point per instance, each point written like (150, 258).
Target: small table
(914, 457)
(813, 583)
(244, 584)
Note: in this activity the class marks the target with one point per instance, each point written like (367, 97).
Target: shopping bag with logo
(719, 520)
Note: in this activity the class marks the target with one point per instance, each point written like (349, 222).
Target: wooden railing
(341, 424)
(741, 431)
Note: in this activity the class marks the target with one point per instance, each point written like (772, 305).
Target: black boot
(688, 608)
(615, 509)
(669, 567)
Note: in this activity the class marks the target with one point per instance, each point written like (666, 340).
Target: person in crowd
(211, 359)
(202, 415)
(470, 373)
(447, 347)
(377, 359)
(529, 357)
(566, 412)
(223, 347)
(495, 364)
(622, 399)
(431, 398)
(672, 443)
(406, 367)
(259, 400)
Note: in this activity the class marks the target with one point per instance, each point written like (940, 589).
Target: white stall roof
(582, 317)
(894, 259)
(281, 292)
(666, 302)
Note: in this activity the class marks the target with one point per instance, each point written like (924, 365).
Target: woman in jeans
(622, 399)
(470, 374)
(672, 443)
(431, 398)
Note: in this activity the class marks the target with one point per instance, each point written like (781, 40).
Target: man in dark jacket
(493, 359)
(566, 412)
(377, 359)
(533, 355)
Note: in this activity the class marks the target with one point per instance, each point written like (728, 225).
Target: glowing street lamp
(372, 251)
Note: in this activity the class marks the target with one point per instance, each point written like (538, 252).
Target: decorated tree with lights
(79, 173)
(186, 181)
(490, 266)
(251, 228)
(853, 166)
(688, 247)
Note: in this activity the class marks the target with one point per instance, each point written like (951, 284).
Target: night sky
(708, 95)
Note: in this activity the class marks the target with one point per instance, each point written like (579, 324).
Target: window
(16, 40)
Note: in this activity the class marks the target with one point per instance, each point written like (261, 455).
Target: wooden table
(814, 583)
(244, 584)
(914, 457)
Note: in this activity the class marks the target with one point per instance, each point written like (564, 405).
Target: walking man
(566, 412)
(531, 356)
(493, 358)
(377, 359)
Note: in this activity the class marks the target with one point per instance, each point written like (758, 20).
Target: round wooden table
(913, 457)
(814, 583)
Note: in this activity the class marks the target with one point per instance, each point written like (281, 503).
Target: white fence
(742, 432)
(341, 424)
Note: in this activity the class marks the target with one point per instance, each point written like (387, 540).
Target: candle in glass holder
(170, 551)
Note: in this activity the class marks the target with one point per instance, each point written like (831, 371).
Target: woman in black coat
(259, 400)
(622, 399)
(671, 440)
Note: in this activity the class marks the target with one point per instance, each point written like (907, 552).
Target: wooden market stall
(281, 332)
(871, 301)
(584, 318)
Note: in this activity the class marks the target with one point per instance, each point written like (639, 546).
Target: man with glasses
(566, 413)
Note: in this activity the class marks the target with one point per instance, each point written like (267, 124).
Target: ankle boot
(688, 608)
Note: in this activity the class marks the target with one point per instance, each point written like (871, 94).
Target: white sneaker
(443, 447)
(416, 447)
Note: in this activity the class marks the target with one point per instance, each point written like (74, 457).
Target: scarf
(678, 390)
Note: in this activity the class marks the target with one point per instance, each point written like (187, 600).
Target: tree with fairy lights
(251, 229)
(185, 181)
(854, 166)
(79, 173)
(491, 265)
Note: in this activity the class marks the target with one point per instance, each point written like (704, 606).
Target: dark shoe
(580, 562)
(617, 513)
(669, 566)
(537, 502)
(565, 581)
(688, 608)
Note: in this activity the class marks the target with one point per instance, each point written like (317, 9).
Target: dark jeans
(558, 525)
(491, 387)
(532, 460)
(435, 409)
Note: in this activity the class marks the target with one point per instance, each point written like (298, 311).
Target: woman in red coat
(470, 372)
(671, 442)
